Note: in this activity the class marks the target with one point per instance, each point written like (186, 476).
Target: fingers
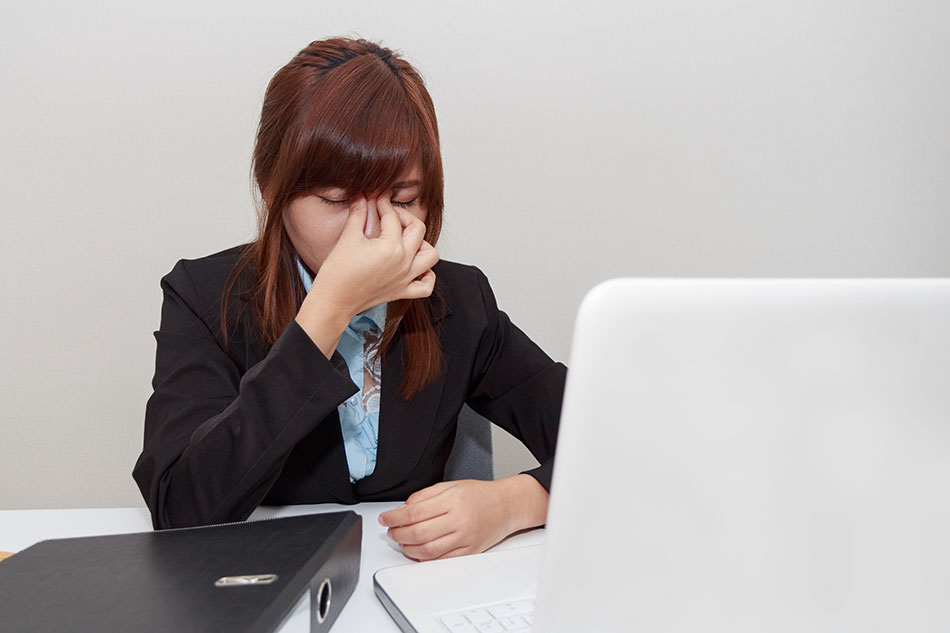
(421, 287)
(385, 248)
(399, 222)
(405, 218)
(422, 526)
(450, 519)
(390, 226)
(402, 223)
(410, 513)
(423, 532)
(413, 231)
(424, 260)
(356, 220)
(447, 546)
(371, 229)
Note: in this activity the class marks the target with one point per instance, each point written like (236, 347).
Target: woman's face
(314, 222)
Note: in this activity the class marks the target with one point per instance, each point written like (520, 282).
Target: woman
(328, 360)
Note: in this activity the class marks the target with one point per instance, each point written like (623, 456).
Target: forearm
(194, 493)
(209, 460)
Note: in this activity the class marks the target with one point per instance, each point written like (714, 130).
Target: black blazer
(230, 428)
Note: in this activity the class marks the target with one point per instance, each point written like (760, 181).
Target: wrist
(323, 319)
(527, 501)
(327, 296)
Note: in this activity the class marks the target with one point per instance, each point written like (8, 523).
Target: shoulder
(209, 269)
(201, 282)
(456, 275)
(465, 297)
(461, 284)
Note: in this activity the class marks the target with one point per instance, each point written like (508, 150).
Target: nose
(372, 218)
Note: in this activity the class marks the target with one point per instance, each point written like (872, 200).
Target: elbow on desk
(172, 509)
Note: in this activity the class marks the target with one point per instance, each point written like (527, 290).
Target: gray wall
(581, 142)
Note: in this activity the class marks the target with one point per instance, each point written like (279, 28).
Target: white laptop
(734, 455)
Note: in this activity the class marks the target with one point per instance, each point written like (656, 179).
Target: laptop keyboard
(496, 618)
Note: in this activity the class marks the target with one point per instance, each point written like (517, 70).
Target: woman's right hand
(361, 272)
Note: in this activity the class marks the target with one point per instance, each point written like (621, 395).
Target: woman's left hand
(454, 518)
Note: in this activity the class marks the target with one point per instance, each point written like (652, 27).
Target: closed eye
(346, 202)
(404, 205)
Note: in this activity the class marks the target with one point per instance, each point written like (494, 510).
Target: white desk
(363, 613)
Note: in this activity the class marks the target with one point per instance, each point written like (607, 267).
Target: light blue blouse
(360, 426)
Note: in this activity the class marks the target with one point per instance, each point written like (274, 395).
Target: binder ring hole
(323, 600)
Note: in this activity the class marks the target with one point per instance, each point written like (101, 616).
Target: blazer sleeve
(517, 386)
(216, 440)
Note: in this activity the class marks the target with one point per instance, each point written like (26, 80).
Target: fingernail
(381, 522)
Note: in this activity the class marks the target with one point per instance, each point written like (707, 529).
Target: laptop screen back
(749, 455)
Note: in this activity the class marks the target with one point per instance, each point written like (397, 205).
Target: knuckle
(420, 292)
(417, 534)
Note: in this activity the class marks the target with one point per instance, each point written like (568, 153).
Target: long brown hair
(351, 114)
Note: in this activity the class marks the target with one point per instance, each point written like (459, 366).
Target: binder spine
(335, 581)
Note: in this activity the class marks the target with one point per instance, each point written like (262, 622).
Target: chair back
(471, 456)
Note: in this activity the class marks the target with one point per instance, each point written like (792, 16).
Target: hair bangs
(364, 134)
